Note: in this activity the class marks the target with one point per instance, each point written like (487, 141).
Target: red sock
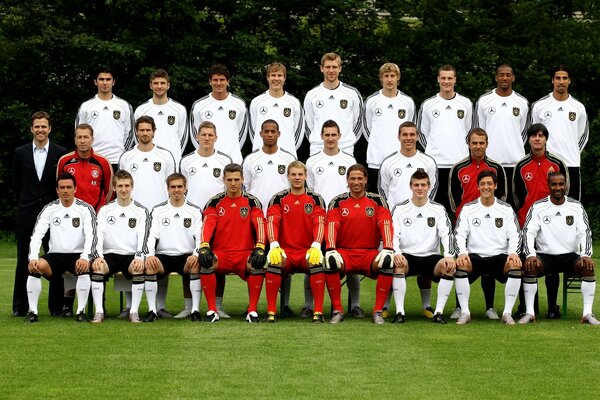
(255, 283)
(209, 286)
(334, 287)
(384, 284)
(273, 285)
(317, 285)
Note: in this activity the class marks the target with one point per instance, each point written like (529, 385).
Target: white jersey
(174, 230)
(149, 170)
(229, 116)
(72, 230)
(557, 229)
(419, 231)
(382, 118)
(266, 174)
(122, 230)
(286, 111)
(343, 105)
(567, 123)
(395, 173)
(204, 176)
(504, 118)
(487, 231)
(443, 128)
(113, 123)
(327, 174)
(171, 125)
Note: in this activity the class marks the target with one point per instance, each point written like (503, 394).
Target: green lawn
(294, 359)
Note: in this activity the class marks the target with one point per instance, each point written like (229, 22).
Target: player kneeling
(296, 226)
(356, 224)
(420, 226)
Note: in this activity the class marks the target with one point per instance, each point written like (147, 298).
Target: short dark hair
(357, 167)
(174, 176)
(207, 124)
(218, 69)
(504, 66)
(561, 67)
(479, 132)
(65, 176)
(535, 128)
(145, 119)
(447, 67)
(40, 115)
(103, 69)
(555, 174)
(122, 174)
(233, 167)
(407, 124)
(84, 126)
(269, 121)
(159, 73)
(419, 174)
(485, 173)
(330, 124)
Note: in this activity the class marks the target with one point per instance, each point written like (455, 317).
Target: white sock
(443, 292)
(129, 299)
(308, 296)
(196, 289)
(187, 301)
(529, 289)
(219, 301)
(83, 291)
(399, 289)
(587, 291)
(426, 298)
(463, 292)
(161, 294)
(97, 295)
(34, 289)
(511, 292)
(151, 288)
(353, 283)
(137, 291)
(287, 287)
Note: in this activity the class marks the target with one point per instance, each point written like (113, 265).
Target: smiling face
(177, 189)
(505, 78)
(357, 183)
(557, 186)
(331, 70)
(487, 187)
(561, 82)
(219, 84)
(159, 87)
(276, 80)
(40, 128)
(446, 81)
(408, 139)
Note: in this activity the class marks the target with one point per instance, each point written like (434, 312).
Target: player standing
(334, 100)
(72, 226)
(488, 241)
(169, 116)
(110, 116)
(385, 110)
(567, 119)
(280, 106)
(557, 238)
(120, 245)
(226, 110)
(233, 241)
(420, 226)
(295, 226)
(357, 222)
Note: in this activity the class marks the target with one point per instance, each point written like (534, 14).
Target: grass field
(294, 359)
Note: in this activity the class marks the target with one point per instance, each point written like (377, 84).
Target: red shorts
(295, 261)
(232, 262)
(358, 261)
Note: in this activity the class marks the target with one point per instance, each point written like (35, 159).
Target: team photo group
(449, 192)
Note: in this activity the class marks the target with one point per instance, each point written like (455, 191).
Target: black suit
(32, 195)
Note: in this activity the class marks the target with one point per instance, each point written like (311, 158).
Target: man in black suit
(34, 179)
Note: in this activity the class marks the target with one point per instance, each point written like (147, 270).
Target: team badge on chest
(132, 223)
(157, 166)
(76, 222)
(116, 114)
(187, 222)
(232, 114)
(281, 169)
(401, 114)
(287, 112)
(499, 222)
(516, 111)
(343, 104)
(431, 222)
(308, 208)
(171, 120)
(572, 116)
(569, 219)
(341, 170)
(216, 172)
(244, 211)
(460, 114)
(370, 211)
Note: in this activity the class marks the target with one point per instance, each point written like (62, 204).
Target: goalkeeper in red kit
(357, 222)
